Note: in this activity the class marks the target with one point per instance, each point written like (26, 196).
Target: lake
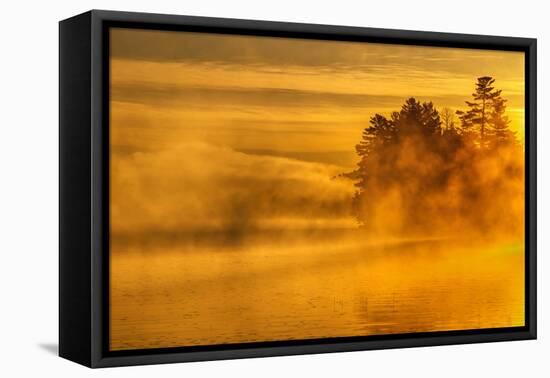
(182, 293)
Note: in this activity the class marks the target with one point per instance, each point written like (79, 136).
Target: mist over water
(280, 290)
(280, 256)
(200, 187)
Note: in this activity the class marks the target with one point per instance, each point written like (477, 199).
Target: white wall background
(29, 186)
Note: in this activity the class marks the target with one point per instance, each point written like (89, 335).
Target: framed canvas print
(233, 188)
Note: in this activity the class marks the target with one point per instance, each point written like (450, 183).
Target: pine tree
(416, 164)
(417, 125)
(467, 126)
(417, 118)
(380, 133)
(477, 115)
(500, 133)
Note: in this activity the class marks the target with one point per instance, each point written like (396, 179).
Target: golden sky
(296, 97)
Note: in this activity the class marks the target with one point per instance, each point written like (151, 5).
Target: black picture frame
(84, 192)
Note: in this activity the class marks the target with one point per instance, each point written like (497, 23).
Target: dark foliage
(420, 174)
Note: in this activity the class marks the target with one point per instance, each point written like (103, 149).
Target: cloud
(151, 93)
(274, 53)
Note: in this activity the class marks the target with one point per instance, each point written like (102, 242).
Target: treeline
(425, 171)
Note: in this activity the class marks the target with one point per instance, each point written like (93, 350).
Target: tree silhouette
(500, 124)
(414, 120)
(416, 168)
(417, 125)
(417, 118)
(478, 110)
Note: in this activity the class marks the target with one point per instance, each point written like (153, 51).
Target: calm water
(172, 295)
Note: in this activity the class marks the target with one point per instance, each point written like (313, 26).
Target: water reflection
(180, 294)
